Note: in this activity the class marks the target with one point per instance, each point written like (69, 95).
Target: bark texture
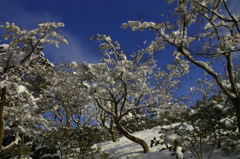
(132, 138)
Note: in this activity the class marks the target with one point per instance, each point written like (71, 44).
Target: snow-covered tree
(71, 112)
(121, 86)
(21, 57)
(23, 111)
(166, 81)
(63, 95)
(205, 127)
(217, 39)
(208, 125)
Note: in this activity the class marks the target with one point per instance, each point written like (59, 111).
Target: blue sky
(84, 18)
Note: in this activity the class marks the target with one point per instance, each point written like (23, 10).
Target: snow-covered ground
(126, 149)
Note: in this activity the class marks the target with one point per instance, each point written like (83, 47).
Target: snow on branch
(25, 45)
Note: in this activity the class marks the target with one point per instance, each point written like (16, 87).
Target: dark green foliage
(211, 119)
(15, 150)
(79, 144)
(208, 125)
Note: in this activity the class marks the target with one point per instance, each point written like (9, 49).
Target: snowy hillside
(124, 148)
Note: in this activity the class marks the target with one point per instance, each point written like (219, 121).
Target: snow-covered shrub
(44, 152)
(205, 127)
(172, 141)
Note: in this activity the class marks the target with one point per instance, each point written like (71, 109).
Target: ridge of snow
(126, 149)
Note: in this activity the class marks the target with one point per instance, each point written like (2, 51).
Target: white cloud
(14, 11)
(74, 51)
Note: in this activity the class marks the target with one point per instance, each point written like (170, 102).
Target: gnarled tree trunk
(131, 137)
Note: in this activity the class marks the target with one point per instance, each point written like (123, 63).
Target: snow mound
(126, 149)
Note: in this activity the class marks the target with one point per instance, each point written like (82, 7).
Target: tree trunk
(113, 134)
(110, 130)
(21, 147)
(3, 99)
(236, 103)
(131, 137)
(68, 125)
